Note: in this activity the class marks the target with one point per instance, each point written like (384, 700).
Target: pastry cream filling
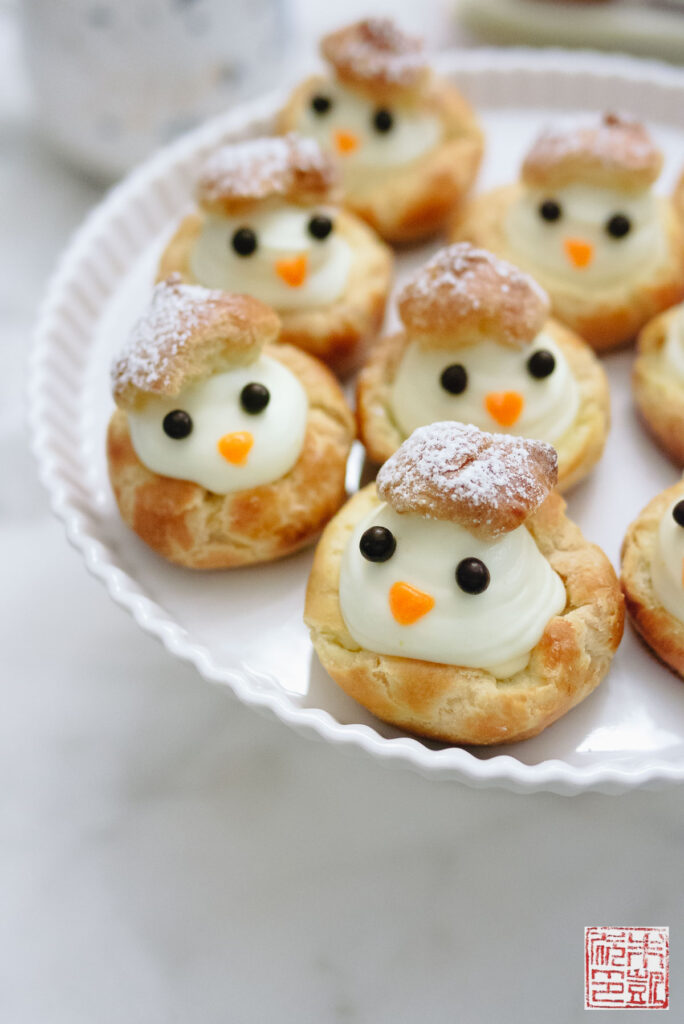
(349, 123)
(673, 349)
(541, 245)
(274, 436)
(282, 235)
(495, 630)
(549, 405)
(668, 564)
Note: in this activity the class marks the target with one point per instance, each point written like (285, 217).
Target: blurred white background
(169, 856)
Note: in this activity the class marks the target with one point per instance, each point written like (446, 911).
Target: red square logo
(626, 968)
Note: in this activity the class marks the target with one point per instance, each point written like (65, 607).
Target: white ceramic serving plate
(244, 628)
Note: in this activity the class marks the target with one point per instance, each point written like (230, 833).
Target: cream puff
(409, 143)
(653, 575)
(268, 225)
(226, 449)
(455, 599)
(584, 221)
(478, 347)
(658, 380)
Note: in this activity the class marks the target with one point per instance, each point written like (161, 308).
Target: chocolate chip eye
(244, 241)
(320, 226)
(321, 104)
(678, 513)
(177, 424)
(377, 544)
(472, 575)
(254, 398)
(550, 210)
(618, 226)
(383, 121)
(541, 364)
(454, 379)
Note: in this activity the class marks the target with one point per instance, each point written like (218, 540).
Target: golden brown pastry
(456, 600)
(584, 221)
(409, 143)
(478, 347)
(658, 380)
(678, 197)
(226, 449)
(269, 225)
(652, 566)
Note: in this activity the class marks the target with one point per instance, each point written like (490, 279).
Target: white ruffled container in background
(114, 79)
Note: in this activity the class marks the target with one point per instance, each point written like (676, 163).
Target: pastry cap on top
(487, 483)
(188, 333)
(288, 167)
(463, 295)
(615, 153)
(376, 57)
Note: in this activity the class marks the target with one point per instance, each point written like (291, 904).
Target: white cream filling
(214, 406)
(550, 405)
(673, 349)
(282, 234)
(413, 132)
(668, 565)
(539, 245)
(495, 630)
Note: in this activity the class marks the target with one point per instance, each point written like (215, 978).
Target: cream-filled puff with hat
(658, 380)
(225, 448)
(477, 346)
(454, 598)
(653, 575)
(269, 224)
(408, 143)
(585, 221)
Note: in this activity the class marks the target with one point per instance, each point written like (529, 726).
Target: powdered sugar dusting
(375, 50)
(257, 168)
(616, 143)
(460, 283)
(176, 312)
(489, 482)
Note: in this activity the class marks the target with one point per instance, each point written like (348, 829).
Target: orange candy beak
(294, 271)
(408, 604)
(235, 447)
(579, 252)
(345, 142)
(504, 406)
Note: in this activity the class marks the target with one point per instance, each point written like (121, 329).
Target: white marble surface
(168, 856)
